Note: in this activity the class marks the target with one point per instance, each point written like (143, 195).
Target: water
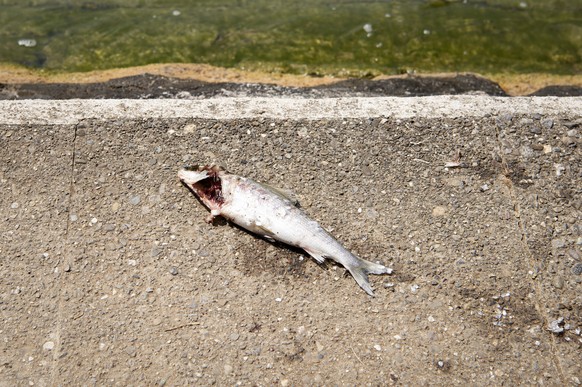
(317, 37)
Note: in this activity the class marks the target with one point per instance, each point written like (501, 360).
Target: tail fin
(360, 273)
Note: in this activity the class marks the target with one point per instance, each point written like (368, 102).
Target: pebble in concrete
(134, 200)
(48, 346)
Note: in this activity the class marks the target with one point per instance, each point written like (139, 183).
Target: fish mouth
(205, 183)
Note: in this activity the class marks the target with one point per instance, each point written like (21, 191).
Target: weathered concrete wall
(109, 274)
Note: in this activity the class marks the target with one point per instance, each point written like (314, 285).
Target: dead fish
(271, 213)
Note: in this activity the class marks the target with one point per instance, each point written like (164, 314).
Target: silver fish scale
(252, 206)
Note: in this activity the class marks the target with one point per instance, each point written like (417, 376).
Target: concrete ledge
(68, 112)
(110, 275)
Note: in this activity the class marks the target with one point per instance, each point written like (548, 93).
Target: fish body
(272, 215)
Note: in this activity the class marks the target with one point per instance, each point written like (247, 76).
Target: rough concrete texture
(110, 276)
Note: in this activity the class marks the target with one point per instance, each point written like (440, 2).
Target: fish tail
(360, 273)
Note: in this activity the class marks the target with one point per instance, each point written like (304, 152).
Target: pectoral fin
(264, 232)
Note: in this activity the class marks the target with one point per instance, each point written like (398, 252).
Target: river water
(316, 37)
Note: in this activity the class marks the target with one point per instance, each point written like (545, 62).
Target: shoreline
(512, 84)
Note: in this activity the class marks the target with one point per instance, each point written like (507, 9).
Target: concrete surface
(110, 276)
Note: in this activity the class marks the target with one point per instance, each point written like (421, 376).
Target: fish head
(205, 182)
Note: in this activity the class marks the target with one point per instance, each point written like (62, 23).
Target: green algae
(316, 37)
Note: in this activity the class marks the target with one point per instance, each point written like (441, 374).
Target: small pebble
(557, 326)
(548, 123)
(537, 147)
(558, 282)
(131, 351)
(14, 205)
(48, 346)
(535, 129)
(109, 227)
(73, 217)
(577, 269)
(173, 270)
(134, 200)
(568, 141)
(377, 347)
(439, 211)
(526, 151)
(558, 243)
(389, 285)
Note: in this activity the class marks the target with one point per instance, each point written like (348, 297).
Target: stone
(558, 243)
(439, 211)
(48, 346)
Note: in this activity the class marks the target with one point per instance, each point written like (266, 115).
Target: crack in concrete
(60, 305)
(538, 299)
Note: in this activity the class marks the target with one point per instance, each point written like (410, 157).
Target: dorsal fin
(283, 193)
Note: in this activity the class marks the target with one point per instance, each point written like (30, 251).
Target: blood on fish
(210, 188)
